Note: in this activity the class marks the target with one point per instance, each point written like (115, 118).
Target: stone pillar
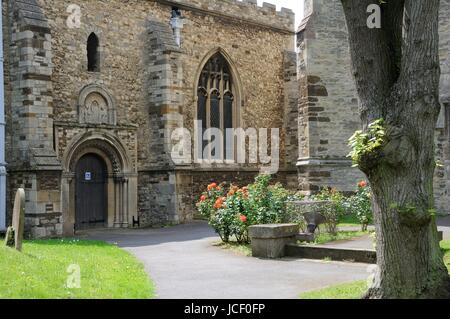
(126, 195)
(328, 101)
(158, 195)
(34, 165)
(290, 122)
(117, 199)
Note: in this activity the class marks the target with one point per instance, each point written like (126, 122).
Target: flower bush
(360, 204)
(233, 212)
(334, 212)
(209, 199)
(266, 203)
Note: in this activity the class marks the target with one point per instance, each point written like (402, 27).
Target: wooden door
(91, 193)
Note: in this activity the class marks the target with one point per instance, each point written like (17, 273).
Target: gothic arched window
(216, 105)
(93, 53)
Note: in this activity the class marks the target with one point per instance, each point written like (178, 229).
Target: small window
(93, 54)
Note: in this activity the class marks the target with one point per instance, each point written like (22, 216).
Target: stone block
(38, 232)
(269, 241)
(304, 237)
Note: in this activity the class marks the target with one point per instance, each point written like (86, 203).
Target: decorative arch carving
(101, 146)
(108, 145)
(96, 106)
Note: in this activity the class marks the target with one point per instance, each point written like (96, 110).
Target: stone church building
(94, 90)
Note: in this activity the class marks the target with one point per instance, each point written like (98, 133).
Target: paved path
(183, 264)
(444, 225)
(366, 242)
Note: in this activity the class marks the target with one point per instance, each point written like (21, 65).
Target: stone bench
(269, 241)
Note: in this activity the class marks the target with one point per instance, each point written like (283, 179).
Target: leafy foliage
(334, 212)
(231, 214)
(361, 205)
(367, 144)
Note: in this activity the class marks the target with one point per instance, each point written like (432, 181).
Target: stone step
(336, 254)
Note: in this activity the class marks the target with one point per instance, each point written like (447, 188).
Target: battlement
(244, 10)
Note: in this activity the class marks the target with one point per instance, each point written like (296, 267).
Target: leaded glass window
(216, 105)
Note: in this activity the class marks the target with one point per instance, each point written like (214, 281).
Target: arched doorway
(99, 183)
(91, 193)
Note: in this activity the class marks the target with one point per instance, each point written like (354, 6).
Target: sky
(296, 5)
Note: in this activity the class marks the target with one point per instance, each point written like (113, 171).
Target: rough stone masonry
(90, 106)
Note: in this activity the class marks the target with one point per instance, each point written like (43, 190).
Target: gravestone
(14, 235)
(9, 239)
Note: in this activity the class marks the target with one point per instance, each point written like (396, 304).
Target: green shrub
(360, 204)
(333, 212)
(266, 204)
(232, 214)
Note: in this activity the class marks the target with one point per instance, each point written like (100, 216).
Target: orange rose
(233, 190)
(244, 191)
(212, 186)
(362, 184)
(219, 203)
(203, 198)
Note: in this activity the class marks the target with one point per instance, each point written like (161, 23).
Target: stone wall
(33, 164)
(156, 198)
(237, 10)
(328, 107)
(291, 94)
(442, 176)
(147, 80)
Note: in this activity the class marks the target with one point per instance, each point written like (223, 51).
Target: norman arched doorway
(99, 183)
(91, 198)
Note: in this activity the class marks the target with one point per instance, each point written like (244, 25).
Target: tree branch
(420, 71)
(376, 53)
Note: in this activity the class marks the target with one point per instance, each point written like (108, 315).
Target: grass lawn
(355, 290)
(324, 237)
(349, 220)
(446, 248)
(241, 249)
(41, 271)
(352, 290)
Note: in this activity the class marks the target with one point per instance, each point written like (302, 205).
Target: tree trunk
(397, 73)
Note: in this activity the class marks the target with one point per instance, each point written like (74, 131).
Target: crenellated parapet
(266, 15)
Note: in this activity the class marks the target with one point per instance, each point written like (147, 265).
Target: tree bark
(397, 73)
